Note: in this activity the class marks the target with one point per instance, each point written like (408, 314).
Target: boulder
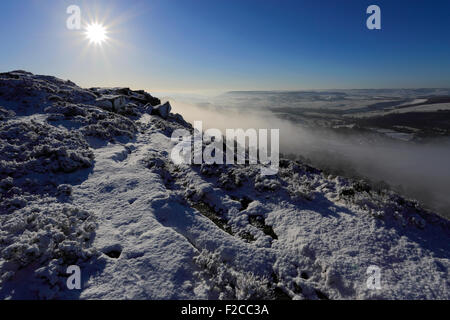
(104, 103)
(119, 102)
(112, 102)
(163, 110)
(148, 108)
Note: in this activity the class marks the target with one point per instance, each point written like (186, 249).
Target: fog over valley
(394, 137)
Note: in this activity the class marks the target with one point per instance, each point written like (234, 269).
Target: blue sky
(219, 45)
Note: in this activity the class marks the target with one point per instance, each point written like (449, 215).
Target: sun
(96, 33)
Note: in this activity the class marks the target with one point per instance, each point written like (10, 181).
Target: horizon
(219, 92)
(213, 46)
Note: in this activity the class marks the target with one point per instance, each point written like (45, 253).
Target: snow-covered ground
(86, 179)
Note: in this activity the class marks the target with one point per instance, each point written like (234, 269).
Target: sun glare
(96, 33)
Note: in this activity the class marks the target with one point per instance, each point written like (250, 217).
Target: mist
(417, 171)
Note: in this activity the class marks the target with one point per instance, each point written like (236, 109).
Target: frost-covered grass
(225, 283)
(35, 147)
(32, 156)
(45, 237)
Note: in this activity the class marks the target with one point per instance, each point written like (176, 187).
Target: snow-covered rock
(104, 103)
(148, 108)
(112, 102)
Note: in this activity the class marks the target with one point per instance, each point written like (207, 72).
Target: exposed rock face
(148, 108)
(86, 178)
(162, 110)
(137, 96)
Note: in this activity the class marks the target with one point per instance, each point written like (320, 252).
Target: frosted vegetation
(86, 179)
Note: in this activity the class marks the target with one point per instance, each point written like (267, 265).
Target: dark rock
(162, 110)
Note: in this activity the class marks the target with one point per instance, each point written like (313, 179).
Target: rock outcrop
(86, 179)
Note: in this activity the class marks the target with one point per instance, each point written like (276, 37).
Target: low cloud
(418, 171)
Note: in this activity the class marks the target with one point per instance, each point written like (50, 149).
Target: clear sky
(219, 45)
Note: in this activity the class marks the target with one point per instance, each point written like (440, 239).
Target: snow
(413, 102)
(433, 107)
(394, 134)
(85, 184)
(163, 110)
